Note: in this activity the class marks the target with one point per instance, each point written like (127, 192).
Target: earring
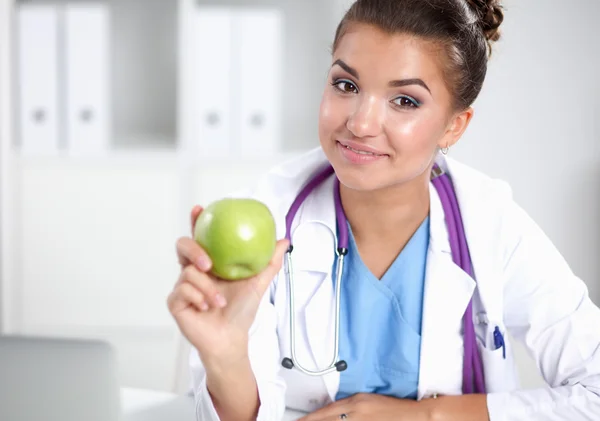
(445, 150)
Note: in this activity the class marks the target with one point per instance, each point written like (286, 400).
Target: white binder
(39, 118)
(212, 81)
(259, 39)
(87, 71)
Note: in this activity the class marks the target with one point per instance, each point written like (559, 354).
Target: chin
(360, 179)
(360, 187)
(368, 178)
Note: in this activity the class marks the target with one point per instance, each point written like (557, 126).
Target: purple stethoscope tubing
(473, 377)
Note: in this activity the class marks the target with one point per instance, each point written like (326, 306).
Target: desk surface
(149, 405)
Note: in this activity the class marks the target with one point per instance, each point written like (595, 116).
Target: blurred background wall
(117, 116)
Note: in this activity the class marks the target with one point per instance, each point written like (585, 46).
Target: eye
(407, 102)
(345, 86)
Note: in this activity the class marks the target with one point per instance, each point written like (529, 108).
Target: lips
(360, 149)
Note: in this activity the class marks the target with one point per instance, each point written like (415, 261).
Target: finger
(266, 276)
(206, 285)
(338, 417)
(326, 414)
(329, 416)
(331, 411)
(188, 251)
(196, 211)
(185, 295)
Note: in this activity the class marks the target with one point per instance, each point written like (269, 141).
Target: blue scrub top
(380, 324)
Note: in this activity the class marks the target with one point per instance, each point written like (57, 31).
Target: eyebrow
(347, 68)
(405, 82)
(393, 83)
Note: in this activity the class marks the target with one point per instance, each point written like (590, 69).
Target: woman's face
(385, 110)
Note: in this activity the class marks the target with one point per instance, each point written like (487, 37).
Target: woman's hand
(213, 314)
(370, 407)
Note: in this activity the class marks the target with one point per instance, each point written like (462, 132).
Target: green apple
(238, 235)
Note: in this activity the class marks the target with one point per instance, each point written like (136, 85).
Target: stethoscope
(473, 379)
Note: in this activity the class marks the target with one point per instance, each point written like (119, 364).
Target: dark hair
(465, 29)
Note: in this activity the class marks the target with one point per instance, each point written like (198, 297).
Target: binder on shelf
(212, 70)
(38, 95)
(258, 40)
(87, 71)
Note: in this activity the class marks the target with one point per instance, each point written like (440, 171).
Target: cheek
(414, 131)
(332, 114)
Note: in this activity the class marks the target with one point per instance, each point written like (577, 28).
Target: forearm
(232, 387)
(457, 408)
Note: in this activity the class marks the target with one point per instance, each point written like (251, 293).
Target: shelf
(149, 94)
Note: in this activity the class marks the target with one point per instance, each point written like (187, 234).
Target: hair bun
(490, 17)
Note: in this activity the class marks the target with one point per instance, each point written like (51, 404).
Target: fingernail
(221, 302)
(203, 263)
(204, 307)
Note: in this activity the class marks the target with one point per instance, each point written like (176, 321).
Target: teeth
(360, 152)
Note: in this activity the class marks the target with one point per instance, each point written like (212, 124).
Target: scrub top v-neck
(380, 321)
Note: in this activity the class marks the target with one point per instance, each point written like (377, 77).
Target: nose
(367, 119)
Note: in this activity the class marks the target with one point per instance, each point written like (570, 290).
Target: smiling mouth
(360, 152)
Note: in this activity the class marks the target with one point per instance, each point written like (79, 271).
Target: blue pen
(499, 341)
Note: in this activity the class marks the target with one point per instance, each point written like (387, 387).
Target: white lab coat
(524, 286)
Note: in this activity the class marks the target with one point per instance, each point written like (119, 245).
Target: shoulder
(473, 185)
(490, 214)
(483, 199)
(502, 232)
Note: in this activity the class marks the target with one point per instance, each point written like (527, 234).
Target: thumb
(266, 276)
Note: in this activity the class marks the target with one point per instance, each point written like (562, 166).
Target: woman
(403, 78)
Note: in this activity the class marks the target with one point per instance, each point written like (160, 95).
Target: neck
(387, 214)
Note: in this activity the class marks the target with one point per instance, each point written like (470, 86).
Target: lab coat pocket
(496, 355)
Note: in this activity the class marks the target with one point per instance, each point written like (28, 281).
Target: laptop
(50, 379)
